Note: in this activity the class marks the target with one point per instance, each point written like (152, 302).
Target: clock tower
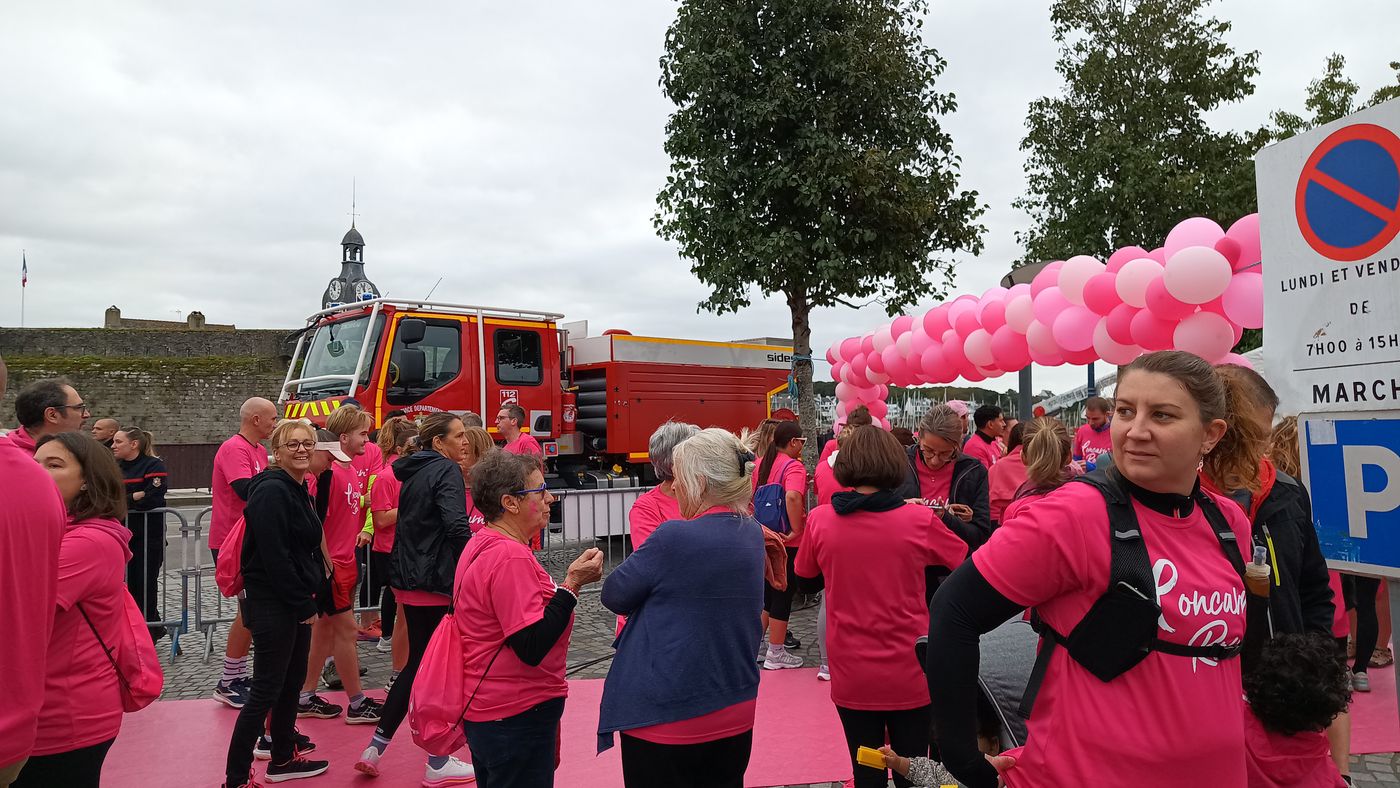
(351, 285)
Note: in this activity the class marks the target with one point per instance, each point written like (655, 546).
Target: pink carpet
(176, 744)
(1375, 722)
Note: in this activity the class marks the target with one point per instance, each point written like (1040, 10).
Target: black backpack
(1120, 630)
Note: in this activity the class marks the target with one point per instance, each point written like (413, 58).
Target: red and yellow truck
(592, 401)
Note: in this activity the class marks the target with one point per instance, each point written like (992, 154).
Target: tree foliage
(807, 157)
(1125, 152)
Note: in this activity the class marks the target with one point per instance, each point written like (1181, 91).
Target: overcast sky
(182, 156)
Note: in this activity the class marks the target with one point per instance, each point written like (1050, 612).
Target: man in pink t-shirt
(508, 424)
(31, 527)
(334, 633)
(984, 445)
(1092, 439)
(237, 461)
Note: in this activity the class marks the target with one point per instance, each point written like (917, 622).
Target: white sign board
(1329, 218)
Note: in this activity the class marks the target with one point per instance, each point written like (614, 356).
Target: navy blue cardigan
(693, 597)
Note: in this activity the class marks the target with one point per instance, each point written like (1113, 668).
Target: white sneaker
(780, 658)
(823, 673)
(384, 646)
(454, 772)
(369, 762)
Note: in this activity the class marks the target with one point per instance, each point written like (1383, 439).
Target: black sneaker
(367, 714)
(791, 642)
(233, 694)
(303, 744)
(318, 707)
(296, 769)
(331, 676)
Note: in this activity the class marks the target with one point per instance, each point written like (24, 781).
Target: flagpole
(23, 286)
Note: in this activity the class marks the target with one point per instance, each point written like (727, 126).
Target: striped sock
(234, 669)
(306, 697)
(379, 743)
(357, 701)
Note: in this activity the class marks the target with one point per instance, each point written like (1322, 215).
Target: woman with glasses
(146, 478)
(782, 464)
(515, 623)
(431, 533)
(282, 566)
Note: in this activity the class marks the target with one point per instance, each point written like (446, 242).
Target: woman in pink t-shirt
(659, 504)
(515, 625)
(782, 464)
(479, 444)
(1170, 718)
(871, 548)
(1045, 457)
(82, 711)
(1007, 476)
(824, 480)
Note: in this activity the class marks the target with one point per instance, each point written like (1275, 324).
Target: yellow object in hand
(875, 759)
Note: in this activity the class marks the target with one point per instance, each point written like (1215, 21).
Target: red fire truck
(592, 401)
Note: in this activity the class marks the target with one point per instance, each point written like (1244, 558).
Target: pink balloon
(881, 339)
(1237, 360)
(858, 366)
(1150, 332)
(845, 391)
(978, 348)
(867, 344)
(1119, 323)
(931, 361)
(1196, 231)
(1101, 293)
(901, 325)
(936, 321)
(1047, 277)
(993, 314)
(850, 347)
(875, 362)
(831, 357)
(1020, 312)
(1245, 232)
(1110, 350)
(1244, 300)
(876, 377)
(972, 375)
(1118, 258)
(1081, 357)
(1206, 334)
(1074, 328)
(953, 356)
(1039, 338)
(905, 344)
(1020, 289)
(1009, 349)
(1049, 304)
(918, 340)
(966, 323)
(1159, 254)
(878, 409)
(1046, 359)
(1197, 274)
(840, 411)
(1164, 305)
(1077, 272)
(1216, 305)
(1133, 279)
(1229, 248)
(896, 368)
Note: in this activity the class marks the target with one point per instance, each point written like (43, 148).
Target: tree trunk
(802, 373)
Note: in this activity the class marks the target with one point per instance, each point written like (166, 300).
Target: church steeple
(351, 284)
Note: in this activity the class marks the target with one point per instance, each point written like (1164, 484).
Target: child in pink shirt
(1295, 688)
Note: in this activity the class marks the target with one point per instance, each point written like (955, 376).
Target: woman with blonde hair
(479, 445)
(1045, 455)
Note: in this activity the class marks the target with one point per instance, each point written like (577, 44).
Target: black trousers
(1367, 625)
(712, 764)
(147, 557)
(281, 646)
(81, 768)
(778, 604)
(907, 731)
(378, 584)
(420, 621)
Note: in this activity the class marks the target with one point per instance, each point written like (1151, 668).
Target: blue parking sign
(1351, 465)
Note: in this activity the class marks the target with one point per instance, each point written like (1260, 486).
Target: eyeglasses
(540, 489)
(82, 406)
(930, 454)
(299, 445)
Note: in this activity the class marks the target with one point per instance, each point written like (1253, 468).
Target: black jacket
(432, 529)
(281, 556)
(145, 475)
(1300, 600)
(969, 488)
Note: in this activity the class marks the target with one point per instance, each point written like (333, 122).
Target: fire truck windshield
(334, 350)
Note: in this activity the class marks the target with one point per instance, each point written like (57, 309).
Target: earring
(83, 488)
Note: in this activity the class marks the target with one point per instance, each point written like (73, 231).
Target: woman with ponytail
(145, 477)
(1045, 454)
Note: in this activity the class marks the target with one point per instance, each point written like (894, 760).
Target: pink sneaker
(368, 763)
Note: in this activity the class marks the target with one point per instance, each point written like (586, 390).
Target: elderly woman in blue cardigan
(683, 687)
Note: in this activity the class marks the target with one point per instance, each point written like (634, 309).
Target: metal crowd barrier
(174, 622)
(581, 519)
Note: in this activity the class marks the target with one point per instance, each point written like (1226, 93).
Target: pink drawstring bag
(133, 657)
(228, 571)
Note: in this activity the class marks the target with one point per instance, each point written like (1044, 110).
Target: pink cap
(959, 407)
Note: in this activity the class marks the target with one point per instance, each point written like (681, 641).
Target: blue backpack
(770, 505)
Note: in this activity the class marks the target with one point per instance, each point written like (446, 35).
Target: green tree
(1124, 152)
(807, 158)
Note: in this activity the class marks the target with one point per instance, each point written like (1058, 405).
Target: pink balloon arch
(1197, 292)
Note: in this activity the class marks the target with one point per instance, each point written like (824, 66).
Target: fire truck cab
(590, 401)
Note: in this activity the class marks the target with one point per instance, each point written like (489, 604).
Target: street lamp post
(1024, 275)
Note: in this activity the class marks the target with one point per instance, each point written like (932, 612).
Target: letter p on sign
(1351, 466)
(1361, 501)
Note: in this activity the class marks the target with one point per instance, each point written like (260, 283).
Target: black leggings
(907, 731)
(421, 621)
(712, 764)
(80, 768)
(376, 585)
(778, 604)
(281, 645)
(1367, 625)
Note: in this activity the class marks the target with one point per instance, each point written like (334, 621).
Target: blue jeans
(518, 751)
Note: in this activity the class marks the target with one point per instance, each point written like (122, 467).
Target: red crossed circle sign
(1337, 216)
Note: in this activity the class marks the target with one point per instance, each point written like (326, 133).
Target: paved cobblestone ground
(590, 647)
